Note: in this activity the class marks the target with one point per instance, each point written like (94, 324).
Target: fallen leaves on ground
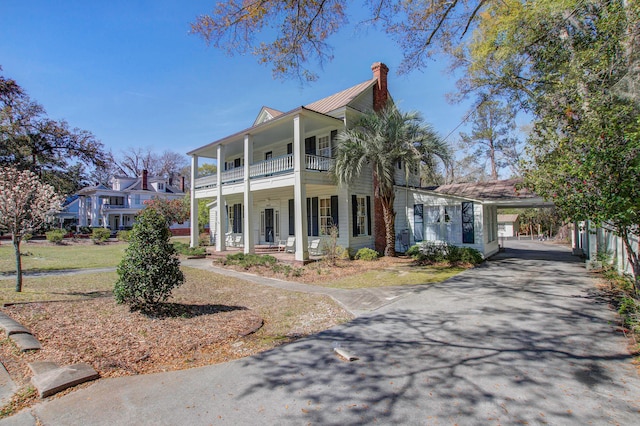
(221, 319)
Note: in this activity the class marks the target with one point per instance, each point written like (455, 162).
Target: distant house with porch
(115, 207)
(273, 185)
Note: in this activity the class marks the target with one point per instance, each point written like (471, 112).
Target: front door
(268, 225)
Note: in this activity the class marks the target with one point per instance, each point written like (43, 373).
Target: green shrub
(150, 269)
(366, 254)
(187, 250)
(27, 236)
(414, 251)
(55, 236)
(100, 235)
(249, 260)
(436, 252)
(123, 235)
(470, 255)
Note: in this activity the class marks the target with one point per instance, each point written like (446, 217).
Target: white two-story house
(273, 183)
(116, 207)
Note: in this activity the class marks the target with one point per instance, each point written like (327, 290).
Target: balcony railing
(274, 165)
(269, 167)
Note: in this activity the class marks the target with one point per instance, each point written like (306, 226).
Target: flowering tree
(171, 210)
(25, 204)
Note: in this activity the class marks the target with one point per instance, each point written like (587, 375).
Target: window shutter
(292, 215)
(468, 235)
(308, 216)
(314, 217)
(354, 215)
(368, 215)
(289, 148)
(334, 210)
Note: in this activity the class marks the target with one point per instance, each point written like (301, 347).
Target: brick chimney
(145, 181)
(380, 97)
(380, 92)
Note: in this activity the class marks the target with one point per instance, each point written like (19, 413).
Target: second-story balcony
(273, 166)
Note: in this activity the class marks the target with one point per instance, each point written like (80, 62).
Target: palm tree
(382, 139)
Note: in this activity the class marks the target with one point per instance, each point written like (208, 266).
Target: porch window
(136, 199)
(432, 223)
(418, 222)
(361, 211)
(453, 224)
(324, 146)
(325, 216)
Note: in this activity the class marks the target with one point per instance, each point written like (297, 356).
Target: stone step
(7, 386)
(11, 326)
(54, 380)
(25, 342)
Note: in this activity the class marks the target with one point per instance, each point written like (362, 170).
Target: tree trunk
(632, 257)
(16, 249)
(390, 225)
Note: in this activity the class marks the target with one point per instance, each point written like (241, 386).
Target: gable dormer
(266, 114)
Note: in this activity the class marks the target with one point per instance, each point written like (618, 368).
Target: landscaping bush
(100, 235)
(470, 255)
(27, 236)
(123, 235)
(366, 254)
(248, 260)
(55, 236)
(187, 250)
(150, 269)
(435, 252)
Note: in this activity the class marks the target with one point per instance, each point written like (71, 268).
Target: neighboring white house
(508, 225)
(116, 207)
(273, 183)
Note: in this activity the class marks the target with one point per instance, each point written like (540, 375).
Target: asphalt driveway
(523, 339)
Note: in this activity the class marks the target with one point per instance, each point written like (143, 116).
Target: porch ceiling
(267, 133)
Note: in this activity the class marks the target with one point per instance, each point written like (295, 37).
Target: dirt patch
(320, 272)
(212, 319)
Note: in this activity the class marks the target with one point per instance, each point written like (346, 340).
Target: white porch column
(193, 219)
(248, 197)
(95, 211)
(82, 211)
(299, 190)
(220, 210)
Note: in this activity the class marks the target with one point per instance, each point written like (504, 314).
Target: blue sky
(130, 72)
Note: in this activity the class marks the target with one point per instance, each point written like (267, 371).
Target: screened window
(418, 222)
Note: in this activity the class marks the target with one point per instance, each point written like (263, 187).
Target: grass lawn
(58, 288)
(399, 275)
(42, 256)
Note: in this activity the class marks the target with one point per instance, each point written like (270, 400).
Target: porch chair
(290, 246)
(314, 247)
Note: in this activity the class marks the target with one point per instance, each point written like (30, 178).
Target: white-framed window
(160, 186)
(324, 146)
(432, 223)
(361, 215)
(325, 216)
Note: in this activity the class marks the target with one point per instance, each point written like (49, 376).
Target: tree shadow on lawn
(184, 310)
